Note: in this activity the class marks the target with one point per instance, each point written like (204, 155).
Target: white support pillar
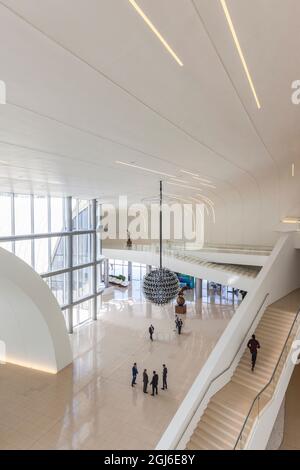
(94, 257)
(129, 271)
(68, 209)
(106, 273)
(198, 288)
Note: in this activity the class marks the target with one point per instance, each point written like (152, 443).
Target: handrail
(227, 368)
(267, 385)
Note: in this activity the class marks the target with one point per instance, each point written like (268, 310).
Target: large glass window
(58, 257)
(8, 246)
(41, 255)
(40, 205)
(23, 250)
(58, 284)
(36, 218)
(138, 271)
(22, 204)
(82, 312)
(5, 212)
(81, 249)
(57, 214)
(81, 283)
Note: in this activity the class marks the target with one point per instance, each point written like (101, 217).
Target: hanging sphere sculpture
(160, 286)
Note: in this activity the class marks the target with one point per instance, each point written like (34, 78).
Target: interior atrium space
(149, 227)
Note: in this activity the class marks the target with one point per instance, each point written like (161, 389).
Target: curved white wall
(31, 323)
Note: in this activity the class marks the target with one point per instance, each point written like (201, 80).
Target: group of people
(154, 381)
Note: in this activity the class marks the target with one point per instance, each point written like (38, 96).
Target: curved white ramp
(31, 324)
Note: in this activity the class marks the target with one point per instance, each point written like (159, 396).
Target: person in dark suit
(180, 323)
(164, 376)
(134, 374)
(145, 381)
(154, 383)
(151, 331)
(253, 345)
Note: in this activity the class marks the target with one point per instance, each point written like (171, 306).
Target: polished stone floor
(291, 433)
(91, 404)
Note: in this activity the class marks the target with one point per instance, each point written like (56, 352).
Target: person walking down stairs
(253, 345)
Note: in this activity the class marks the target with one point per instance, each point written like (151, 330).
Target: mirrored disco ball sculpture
(160, 286)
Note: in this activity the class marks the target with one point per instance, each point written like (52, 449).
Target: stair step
(258, 370)
(280, 319)
(204, 439)
(266, 324)
(230, 422)
(227, 408)
(263, 330)
(212, 438)
(226, 413)
(220, 426)
(272, 311)
(282, 329)
(252, 376)
(253, 387)
(263, 359)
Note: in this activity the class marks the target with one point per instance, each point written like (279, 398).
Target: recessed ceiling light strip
(195, 176)
(131, 165)
(209, 185)
(155, 31)
(184, 186)
(239, 49)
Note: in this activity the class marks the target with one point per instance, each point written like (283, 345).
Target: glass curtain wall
(59, 238)
(119, 267)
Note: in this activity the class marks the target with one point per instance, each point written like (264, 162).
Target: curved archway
(31, 324)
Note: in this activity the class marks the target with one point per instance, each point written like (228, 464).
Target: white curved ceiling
(88, 84)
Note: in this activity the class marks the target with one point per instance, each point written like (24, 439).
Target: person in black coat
(253, 345)
(134, 374)
(151, 331)
(164, 376)
(145, 381)
(154, 383)
(179, 326)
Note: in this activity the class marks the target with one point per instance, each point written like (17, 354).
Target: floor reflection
(91, 405)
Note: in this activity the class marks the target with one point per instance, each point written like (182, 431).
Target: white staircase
(225, 423)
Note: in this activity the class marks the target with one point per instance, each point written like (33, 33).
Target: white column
(94, 257)
(129, 271)
(198, 288)
(106, 273)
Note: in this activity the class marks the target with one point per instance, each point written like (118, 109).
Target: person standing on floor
(134, 374)
(253, 345)
(154, 383)
(151, 331)
(164, 376)
(176, 322)
(179, 327)
(145, 381)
